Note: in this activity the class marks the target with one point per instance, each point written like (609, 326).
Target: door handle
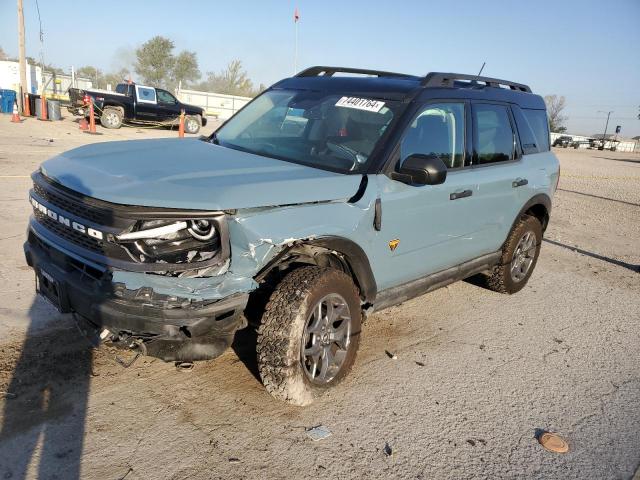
(519, 182)
(462, 194)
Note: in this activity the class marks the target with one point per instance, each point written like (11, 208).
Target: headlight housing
(194, 241)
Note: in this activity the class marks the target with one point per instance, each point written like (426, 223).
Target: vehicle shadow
(45, 403)
(600, 197)
(613, 261)
(629, 160)
(245, 341)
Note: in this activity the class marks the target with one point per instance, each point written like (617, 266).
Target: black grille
(70, 234)
(82, 210)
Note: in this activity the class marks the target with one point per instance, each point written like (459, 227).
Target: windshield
(319, 129)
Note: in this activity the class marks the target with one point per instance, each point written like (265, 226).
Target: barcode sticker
(360, 104)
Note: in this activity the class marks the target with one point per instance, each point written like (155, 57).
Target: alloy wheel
(326, 339)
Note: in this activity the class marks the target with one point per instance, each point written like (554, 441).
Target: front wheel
(519, 256)
(309, 334)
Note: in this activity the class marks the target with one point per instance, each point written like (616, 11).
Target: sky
(587, 51)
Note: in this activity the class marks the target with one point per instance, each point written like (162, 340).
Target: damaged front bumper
(178, 319)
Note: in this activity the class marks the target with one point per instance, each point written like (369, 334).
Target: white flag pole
(295, 57)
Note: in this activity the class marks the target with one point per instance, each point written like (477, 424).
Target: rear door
(146, 104)
(498, 170)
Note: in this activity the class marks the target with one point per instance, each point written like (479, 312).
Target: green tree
(114, 79)
(185, 69)
(233, 80)
(555, 106)
(92, 73)
(155, 61)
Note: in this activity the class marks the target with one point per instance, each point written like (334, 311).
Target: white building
(10, 77)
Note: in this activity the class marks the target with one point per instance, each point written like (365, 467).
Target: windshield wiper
(353, 154)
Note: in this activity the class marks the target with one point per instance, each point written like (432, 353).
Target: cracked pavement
(476, 372)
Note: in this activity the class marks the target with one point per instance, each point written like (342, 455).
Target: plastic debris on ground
(387, 450)
(553, 442)
(318, 433)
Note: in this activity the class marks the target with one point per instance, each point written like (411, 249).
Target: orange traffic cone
(92, 118)
(181, 125)
(27, 107)
(15, 118)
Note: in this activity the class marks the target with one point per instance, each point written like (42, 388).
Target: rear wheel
(519, 256)
(111, 118)
(309, 334)
(192, 124)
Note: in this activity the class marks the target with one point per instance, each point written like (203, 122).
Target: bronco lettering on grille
(78, 227)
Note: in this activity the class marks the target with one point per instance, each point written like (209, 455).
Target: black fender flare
(539, 199)
(353, 254)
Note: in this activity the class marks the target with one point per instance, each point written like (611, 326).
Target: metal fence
(215, 104)
(57, 85)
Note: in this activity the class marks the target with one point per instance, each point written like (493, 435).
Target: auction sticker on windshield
(360, 104)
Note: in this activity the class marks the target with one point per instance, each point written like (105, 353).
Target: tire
(192, 124)
(290, 319)
(111, 118)
(522, 245)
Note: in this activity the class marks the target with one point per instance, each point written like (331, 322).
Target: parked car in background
(323, 200)
(135, 103)
(564, 141)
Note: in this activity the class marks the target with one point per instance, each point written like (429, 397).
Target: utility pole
(21, 57)
(604, 135)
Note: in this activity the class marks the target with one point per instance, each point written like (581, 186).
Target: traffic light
(618, 128)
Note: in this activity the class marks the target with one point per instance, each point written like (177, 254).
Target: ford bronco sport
(326, 198)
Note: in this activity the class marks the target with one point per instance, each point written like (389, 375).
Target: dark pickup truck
(134, 103)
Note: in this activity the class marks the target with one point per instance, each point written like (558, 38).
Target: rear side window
(538, 122)
(146, 94)
(437, 130)
(493, 136)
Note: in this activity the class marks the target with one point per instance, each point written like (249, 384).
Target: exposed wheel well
(540, 212)
(305, 254)
(297, 256)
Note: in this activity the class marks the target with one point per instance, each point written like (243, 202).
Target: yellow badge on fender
(393, 244)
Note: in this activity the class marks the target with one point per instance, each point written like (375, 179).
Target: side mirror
(424, 169)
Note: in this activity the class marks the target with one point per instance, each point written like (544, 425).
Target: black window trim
(516, 136)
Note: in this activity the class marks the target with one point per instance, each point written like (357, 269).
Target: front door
(168, 106)
(429, 228)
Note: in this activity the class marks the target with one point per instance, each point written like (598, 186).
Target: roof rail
(322, 71)
(439, 79)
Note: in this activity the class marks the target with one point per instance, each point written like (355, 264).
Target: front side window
(493, 136)
(437, 130)
(319, 129)
(166, 97)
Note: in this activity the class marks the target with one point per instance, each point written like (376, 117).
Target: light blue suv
(333, 194)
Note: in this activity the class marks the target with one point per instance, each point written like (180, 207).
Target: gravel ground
(476, 374)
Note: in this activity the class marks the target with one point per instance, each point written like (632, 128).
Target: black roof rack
(439, 79)
(322, 71)
(433, 79)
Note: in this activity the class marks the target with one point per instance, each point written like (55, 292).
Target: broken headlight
(172, 241)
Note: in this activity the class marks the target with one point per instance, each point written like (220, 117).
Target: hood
(192, 174)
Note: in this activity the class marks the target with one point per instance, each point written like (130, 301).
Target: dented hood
(192, 174)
